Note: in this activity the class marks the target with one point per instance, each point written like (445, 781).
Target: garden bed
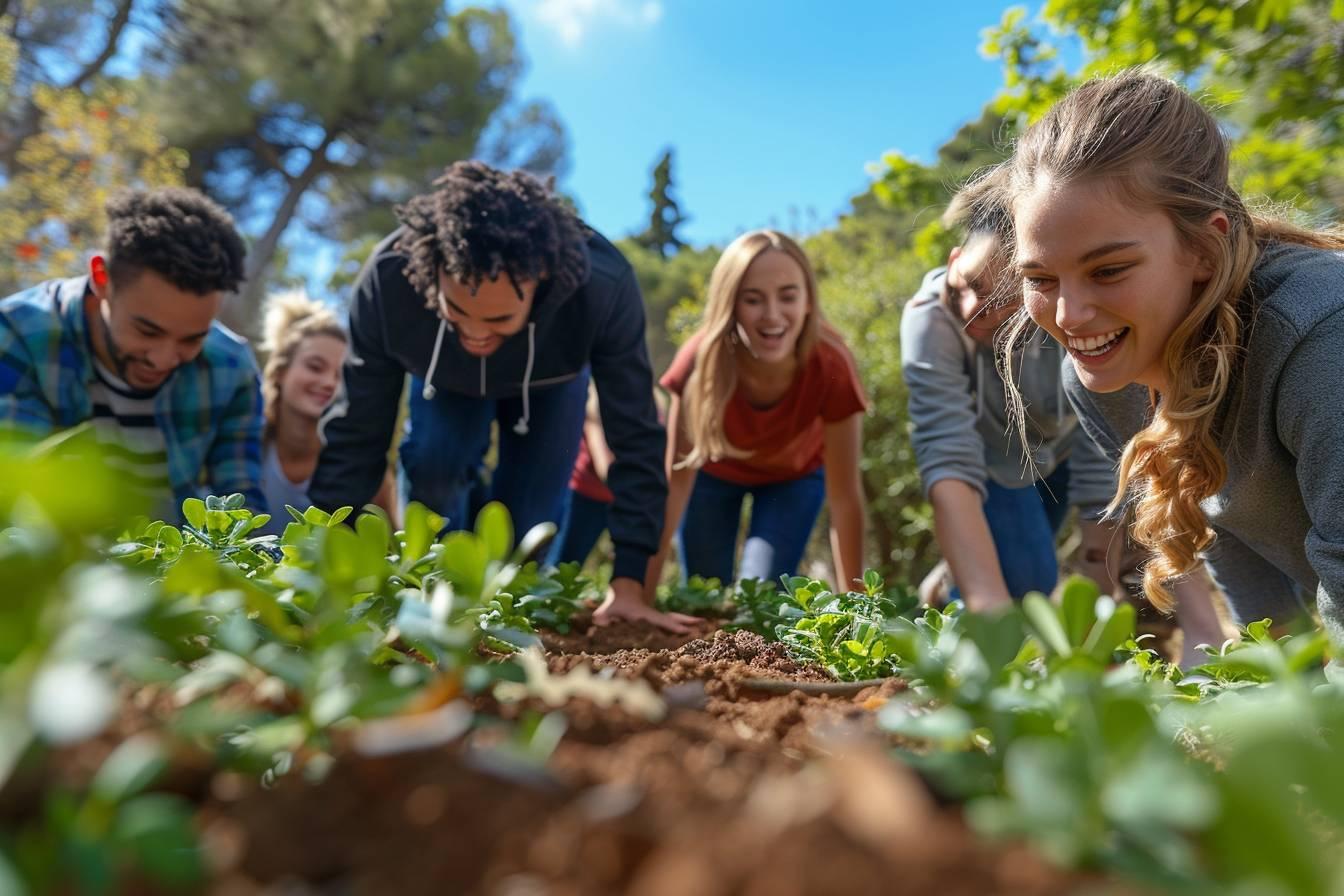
(734, 791)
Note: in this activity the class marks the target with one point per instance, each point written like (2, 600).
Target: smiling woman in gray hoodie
(1204, 342)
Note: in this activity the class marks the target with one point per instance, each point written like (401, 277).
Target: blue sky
(774, 108)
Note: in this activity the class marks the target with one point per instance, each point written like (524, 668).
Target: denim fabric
(782, 517)
(1024, 523)
(447, 438)
(585, 521)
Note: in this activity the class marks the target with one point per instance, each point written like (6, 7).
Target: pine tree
(664, 219)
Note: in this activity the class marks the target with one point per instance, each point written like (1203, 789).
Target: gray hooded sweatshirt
(959, 408)
(1279, 518)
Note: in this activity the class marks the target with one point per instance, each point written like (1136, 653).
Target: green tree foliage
(337, 109)
(1271, 66)
(56, 45)
(72, 142)
(665, 216)
(676, 282)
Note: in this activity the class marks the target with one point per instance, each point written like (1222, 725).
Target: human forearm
(965, 540)
(848, 517)
(679, 485)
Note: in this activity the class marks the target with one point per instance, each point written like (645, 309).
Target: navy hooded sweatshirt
(393, 332)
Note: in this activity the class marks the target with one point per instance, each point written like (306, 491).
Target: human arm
(598, 449)
(637, 479)
(387, 499)
(679, 482)
(22, 403)
(963, 535)
(233, 460)
(357, 428)
(950, 452)
(842, 447)
(1312, 430)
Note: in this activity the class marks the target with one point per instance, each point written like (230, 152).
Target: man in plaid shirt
(133, 348)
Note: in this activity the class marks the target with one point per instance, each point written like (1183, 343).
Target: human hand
(625, 601)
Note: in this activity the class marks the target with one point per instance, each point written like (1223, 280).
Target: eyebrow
(1091, 254)
(497, 319)
(159, 331)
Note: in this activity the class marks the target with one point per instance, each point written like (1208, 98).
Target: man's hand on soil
(625, 601)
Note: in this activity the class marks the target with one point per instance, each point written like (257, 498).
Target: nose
(164, 356)
(472, 331)
(1073, 308)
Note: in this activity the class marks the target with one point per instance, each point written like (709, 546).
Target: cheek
(1039, 308)
(292, 382)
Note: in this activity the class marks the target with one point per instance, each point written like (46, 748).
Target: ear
(953, 255)
(98, 278)
(1220, 222)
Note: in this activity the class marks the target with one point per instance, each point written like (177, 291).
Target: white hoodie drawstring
(521, 426)
(429, 390)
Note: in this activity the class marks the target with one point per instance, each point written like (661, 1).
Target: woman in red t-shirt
(766, 402)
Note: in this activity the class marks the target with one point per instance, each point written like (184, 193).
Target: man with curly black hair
(134, 349)
(501, 303)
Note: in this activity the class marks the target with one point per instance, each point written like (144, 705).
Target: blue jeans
(782, 517)
(1024, 522)
(585, 521)
(448, 436)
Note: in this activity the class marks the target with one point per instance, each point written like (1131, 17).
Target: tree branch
(114, 30)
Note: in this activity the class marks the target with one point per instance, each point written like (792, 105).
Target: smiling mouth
(1098, 345)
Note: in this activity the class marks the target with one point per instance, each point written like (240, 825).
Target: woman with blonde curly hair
(305, 346)
(765, 401)
(1201, 338)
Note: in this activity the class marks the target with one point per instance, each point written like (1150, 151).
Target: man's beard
(122, 361)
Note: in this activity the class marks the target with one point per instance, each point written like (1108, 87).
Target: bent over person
(133, 348)
(501, 304)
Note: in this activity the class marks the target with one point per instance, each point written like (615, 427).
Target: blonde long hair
(291, 317)
(714, 378)
(1156, 147)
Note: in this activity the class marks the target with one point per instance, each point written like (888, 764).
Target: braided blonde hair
(1156, 147)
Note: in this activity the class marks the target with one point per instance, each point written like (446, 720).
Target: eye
(1111, 271)
(1035, 282)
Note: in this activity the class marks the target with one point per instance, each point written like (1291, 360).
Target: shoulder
(226, 350)
(1298, 286)
(832, 352)
(608, 270)
(38, 305)
(925, 308)
(683, 364)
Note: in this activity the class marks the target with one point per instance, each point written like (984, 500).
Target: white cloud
(572, 20)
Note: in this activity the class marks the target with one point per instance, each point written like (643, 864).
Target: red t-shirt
(584, 479)
(786, 439)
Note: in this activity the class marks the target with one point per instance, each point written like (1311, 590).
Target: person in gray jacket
(997, 507)
(1204, 342)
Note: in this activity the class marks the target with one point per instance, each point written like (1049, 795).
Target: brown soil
(733, 792)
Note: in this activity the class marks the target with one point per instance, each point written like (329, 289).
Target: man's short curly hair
(176, 232)
(481, 222)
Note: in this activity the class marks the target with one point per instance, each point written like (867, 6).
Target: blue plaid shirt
(209, 409)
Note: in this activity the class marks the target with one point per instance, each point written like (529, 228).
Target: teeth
(1092, 343)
